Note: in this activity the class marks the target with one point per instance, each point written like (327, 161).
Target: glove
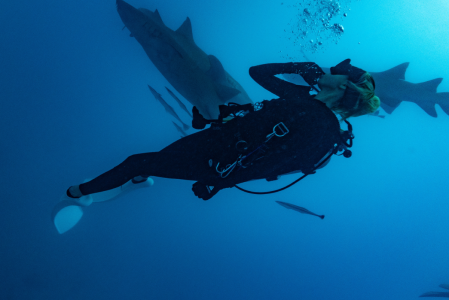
(311, 73)
(203, 191)
(198, 121)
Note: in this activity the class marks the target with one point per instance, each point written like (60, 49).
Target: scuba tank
(274, 138)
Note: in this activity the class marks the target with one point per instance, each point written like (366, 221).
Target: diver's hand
(198, 122)
(311, 73)
(203, 191)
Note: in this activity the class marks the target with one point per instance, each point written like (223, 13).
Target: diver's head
(332, 88)
(354, 88)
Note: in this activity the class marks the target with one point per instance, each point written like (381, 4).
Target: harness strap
(334, 151)
(286, 187)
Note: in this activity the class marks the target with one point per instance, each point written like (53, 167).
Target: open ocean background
(75, 103)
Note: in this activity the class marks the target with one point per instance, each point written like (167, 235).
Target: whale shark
(198, 77)
(392, 89)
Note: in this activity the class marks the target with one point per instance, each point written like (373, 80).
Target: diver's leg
(177, 165)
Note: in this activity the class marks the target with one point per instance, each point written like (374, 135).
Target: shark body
(198, 77)
(202, 80)
(392, 89)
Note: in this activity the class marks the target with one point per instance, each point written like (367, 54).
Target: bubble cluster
(315, 24)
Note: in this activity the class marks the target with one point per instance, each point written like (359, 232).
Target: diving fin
(68, 212)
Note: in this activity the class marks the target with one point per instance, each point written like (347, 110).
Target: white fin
(65, 215)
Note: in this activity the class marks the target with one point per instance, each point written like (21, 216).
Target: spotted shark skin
(198, 77)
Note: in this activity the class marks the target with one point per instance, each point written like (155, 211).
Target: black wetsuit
(313, 132)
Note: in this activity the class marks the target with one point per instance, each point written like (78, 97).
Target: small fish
(180, 129)
(299, 209)
(179, 102)
(167, 107)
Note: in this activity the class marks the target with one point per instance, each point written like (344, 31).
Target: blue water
(75, 103)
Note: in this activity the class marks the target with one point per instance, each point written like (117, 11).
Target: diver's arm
(265, 76)
(199, 122)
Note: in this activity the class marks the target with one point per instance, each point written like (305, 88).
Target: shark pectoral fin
(216, 72)
(388, 109)
(389, 104)
(430, 85)
(225, 93)
(186, 30)
(444, 286)
(429, 108)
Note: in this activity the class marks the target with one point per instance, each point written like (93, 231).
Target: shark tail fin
(443, 101)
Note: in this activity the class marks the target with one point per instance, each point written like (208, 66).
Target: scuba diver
(298, 132)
